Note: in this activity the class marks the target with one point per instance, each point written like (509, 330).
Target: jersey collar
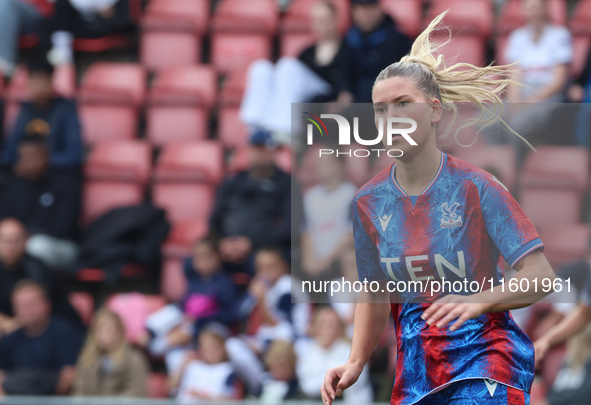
(395, 185)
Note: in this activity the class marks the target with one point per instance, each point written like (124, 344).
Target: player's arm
(371, 317)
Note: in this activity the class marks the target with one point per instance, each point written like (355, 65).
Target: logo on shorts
(450, 218)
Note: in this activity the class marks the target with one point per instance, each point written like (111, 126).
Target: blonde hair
(280, 351)
(91, 350)
(579, 349)
(458, 83)
(316, 324)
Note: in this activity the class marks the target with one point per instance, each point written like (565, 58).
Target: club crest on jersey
(450, 219)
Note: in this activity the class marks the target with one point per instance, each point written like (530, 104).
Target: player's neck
(413, 175)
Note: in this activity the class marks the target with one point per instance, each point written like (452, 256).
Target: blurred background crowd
(153, 201)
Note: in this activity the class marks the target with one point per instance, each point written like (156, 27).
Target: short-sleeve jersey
(460, 228)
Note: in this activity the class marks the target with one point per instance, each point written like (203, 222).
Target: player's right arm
(371, 317)
(574, 323)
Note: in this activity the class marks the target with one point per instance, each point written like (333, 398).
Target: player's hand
(450, 308)
(541, 347)
(338, 379)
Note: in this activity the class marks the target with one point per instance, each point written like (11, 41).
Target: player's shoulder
(461, 170)
(378, 182)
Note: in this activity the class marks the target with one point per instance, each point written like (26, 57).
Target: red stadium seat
(547, 208)
(183, 236)
(173, 124)
(168, 49)
(406, 13)
(557, 167)
(283, 159)
(105, 122)
(231, 132)
(177, 16)
(511, 16)
(184, 201)
(567, 243)
(114, 84)
(580, 24)
(581, 47)
(83, 303)
(471, 18)
(233, 88)
(235, 51)
(134, 308)
(501, 158)
(297, 17)
(463, 49)
(157, 385)
(101, 197)
(196, 161)
(294, 44)
(252, 16)
(501, 46)
(185, 86)
(64, 83)
(119, 160)
(173, 282)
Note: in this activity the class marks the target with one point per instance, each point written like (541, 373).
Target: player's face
(399, 97)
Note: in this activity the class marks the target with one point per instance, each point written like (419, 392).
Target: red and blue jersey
(459, 228)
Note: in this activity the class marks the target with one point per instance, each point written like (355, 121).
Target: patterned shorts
(478, 391)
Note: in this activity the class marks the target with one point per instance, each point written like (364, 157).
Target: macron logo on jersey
(384, 221)
(491, 385)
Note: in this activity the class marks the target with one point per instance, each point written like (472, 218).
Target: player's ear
(436, 111)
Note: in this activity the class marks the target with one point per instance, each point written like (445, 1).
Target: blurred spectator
(281, 382)
(327, 209)
(319, 74)
(580, 92)
(375, 43)
(49, 116)
(109, 365)
(18, 17)
(16, 265)
(208, 375)
(46, 201)
(328, 348)
(543, 51)
(345, 300)
(210, 297)
(253, 208)
(40, 357)
(82, 19)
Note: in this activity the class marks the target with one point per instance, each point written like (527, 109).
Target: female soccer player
(431, 216)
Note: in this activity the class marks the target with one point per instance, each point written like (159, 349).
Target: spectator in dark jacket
(252, 209)
(46, 201)
(17, 265)
(38, 358)
(375, 43)
(51, 117)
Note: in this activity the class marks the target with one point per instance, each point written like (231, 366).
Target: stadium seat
(64, 83)
(511, 16)
(184, 201)
(463, 49)
(157, 385)
(184, 86)
(565, 244)
(196, 161)
(183, 236)
(134, 308)
(294, 44)
(406, 13)
(470, 18)
(115, 41)
(231, 132)
(83, 303)
(233, 88)
(173, 124)
(556, 167)
(500, 49)
(236, 51)
(581, 47)
(105, 122)
(114, 84)
(283, 159)
(101, 197)
(119, 160)
(547, 208)
(177, 16)
(297, 17)
(241, 17)
(580, 24)
(160, 50)
(500, 158)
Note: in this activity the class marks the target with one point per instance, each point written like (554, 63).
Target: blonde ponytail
(458, 83)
